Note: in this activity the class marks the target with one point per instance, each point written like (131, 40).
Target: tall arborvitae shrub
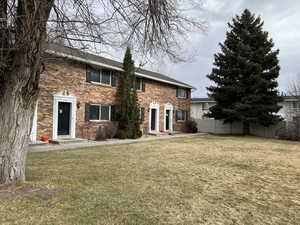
(245, 74)
(127, 101)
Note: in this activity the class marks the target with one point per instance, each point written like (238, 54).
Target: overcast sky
(281, 21)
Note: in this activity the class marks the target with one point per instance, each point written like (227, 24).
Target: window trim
(185, 91)
(100, 71)
(100, 106)
(185, 112)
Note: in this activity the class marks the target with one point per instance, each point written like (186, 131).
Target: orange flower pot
(45, 138)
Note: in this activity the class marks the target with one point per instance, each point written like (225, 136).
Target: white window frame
(171, 108)
(154, 105)
(100, 106)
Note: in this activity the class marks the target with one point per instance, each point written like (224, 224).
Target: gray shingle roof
(195, 100)
(89, 58)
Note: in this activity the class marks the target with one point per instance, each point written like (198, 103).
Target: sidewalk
(88, 143)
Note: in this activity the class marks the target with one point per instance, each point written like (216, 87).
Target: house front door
(64, 118)
(153, 119)
(168, 116)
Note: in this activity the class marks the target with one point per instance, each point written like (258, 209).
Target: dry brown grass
(197, 180)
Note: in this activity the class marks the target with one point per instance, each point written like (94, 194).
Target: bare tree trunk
(18, 96)
(19, 79)
(16, 115)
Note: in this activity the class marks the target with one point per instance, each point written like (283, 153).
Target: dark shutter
(113, 79)
(176, 115)
(185, 115)
(88, 74)
(177, 92)
(143, 85)
(113, 113)
(87, 112)
(142, 114)
(188, 93)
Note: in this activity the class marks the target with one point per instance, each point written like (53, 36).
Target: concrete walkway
(88, 143)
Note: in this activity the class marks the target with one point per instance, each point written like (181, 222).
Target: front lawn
(197, 180)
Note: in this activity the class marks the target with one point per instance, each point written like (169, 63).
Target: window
(205, 106)
(181, 93)
(94, 112)
(103, 76)
(100, 112)
(95, 75)
(181, 115)
(140, 85)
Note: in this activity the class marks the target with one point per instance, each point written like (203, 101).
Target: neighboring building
(290, 107)
(200, 106)
(78, 96)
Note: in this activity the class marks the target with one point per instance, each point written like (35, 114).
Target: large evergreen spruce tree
(245, 74)
(127, 101)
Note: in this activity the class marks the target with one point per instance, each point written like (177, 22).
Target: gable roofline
(84, 57)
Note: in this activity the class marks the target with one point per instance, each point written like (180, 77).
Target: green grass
(196, 180)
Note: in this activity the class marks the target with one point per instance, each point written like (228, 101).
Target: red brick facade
(69, 77)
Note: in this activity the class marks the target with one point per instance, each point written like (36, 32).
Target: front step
(158, 134)
(67, 140)
(38, 143)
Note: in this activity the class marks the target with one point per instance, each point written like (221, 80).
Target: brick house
(78, 95)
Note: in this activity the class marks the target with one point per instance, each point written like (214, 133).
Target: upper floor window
(182, 93)
(140, 84)
(102, 76)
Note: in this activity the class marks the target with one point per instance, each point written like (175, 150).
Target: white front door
(64, 115)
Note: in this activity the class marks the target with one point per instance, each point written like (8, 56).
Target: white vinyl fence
(219, 127)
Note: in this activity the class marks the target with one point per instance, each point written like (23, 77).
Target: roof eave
(92, 62)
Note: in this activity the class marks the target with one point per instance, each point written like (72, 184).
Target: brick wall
(70, 76)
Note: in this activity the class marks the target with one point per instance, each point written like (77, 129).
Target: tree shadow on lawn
(16, 190)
